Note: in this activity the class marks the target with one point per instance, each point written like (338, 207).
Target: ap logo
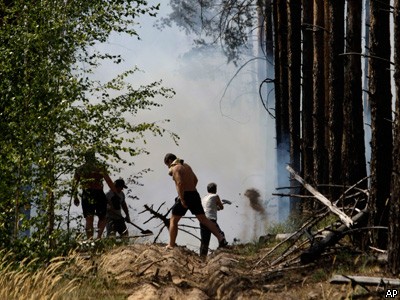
(391, 294)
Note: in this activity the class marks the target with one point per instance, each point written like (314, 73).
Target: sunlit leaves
(52, 111)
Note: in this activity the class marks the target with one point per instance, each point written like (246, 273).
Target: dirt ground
(149, 271)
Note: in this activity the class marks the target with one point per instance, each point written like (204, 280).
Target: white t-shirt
(210, 207)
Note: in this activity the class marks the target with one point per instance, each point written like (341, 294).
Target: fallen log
(365, 280)
(333, 208)
(331, 239)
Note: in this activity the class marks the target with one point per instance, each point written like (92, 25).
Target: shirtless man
(94, 202)
(189, 198)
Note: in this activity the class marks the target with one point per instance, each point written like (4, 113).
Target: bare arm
(126, 210)
(110, 183)
(220, 205)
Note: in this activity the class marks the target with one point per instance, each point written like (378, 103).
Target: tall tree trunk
(381, 116)
(281, 98)
(394, 216)
(354, 165)
(307, 97)
(319, 94)
(367, 108)
(269, 47)
(294, 60)
(335, 104)
(261, 37)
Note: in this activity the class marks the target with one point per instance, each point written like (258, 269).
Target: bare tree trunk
(327, 22)
(269, 47)
(380, 99)
(354, 165)
(335, 123)
(281, 97)
(367, 108)
(394, 216)
(353, 144)
(307, 97)
(294, 60)
(319, 94)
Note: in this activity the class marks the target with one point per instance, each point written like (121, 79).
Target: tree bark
(336, 81)
(354, 164)
(380, 99)
(394, 216)
(294, 78)
(320, 163)
(281, 97)
(307, 97)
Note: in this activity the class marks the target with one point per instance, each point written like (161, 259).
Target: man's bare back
(185, 179)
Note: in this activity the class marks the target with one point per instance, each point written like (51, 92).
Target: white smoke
(227, 140)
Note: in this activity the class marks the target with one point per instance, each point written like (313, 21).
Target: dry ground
(149, 271)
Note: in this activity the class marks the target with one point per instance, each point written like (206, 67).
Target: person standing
(94, 202)
(116, 202)
(185, 182)
(211, 204)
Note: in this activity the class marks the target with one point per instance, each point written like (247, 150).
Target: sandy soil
(149, 271)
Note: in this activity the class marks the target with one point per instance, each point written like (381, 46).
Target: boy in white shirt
(211, 204)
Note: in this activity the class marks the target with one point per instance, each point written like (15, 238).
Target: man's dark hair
(212, 188)
(168, 157)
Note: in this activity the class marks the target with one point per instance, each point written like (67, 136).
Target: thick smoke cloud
(228, 140)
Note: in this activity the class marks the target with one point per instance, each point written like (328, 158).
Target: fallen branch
(333, 208)
(379, 281)
(166, 221)
(331, 239)
(294, 236)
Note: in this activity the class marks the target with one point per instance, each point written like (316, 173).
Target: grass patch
(69, 277)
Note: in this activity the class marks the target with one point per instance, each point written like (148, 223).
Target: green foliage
(52, 110)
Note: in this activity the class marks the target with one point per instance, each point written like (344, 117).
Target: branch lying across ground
(331, 239)
(294, 236)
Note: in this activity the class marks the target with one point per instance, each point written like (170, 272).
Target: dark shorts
(193, 202)
(94, 202)
(114, 226)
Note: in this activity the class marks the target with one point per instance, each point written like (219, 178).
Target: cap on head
(169, 157)
(120, 183)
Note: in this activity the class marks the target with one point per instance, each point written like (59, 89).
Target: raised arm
(110, 183)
